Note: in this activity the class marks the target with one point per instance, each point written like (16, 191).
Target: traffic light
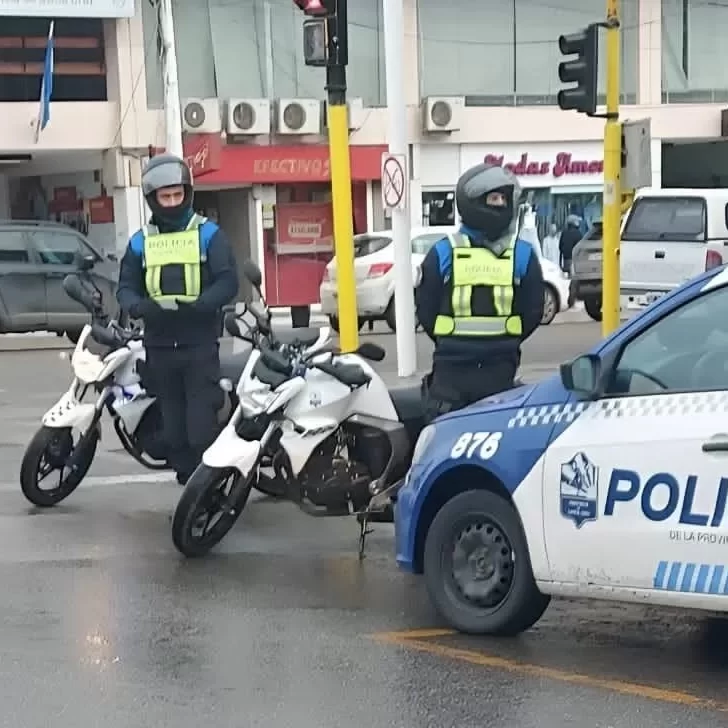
(316, 8)
(582, 71)
(325, 32)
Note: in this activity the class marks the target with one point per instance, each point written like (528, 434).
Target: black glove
(146, 309)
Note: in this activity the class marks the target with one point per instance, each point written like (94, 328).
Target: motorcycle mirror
(371, 351)
(253, 274)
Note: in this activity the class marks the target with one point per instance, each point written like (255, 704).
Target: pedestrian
(570, 236)
(480, 295)
(551, 245)
(176, 275)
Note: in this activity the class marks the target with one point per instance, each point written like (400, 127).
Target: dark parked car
(586, 271)
(35, 256)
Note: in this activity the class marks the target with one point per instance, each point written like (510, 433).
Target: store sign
(292, 168)
(304, 227)
(68, 8)
(564, 164)
(203, 153)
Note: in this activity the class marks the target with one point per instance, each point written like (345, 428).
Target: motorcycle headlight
(423, 442)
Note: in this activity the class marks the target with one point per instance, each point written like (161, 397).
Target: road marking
(102, 481)
(415, 640)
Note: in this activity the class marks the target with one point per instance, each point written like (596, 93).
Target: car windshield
(668, 219)
(366, 244)
(594, 232)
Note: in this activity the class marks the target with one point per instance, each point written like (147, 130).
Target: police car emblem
(579, 490)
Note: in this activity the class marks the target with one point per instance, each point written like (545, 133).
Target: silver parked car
(35, 256)
(586, 271)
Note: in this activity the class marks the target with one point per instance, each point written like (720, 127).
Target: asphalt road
(103, 624)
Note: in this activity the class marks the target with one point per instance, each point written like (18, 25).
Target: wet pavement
(104, 624)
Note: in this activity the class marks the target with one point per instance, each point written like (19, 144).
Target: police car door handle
(719, 444)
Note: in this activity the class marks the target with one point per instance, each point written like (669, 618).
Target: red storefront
(297, 234)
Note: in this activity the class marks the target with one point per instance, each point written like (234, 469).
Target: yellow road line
(415, 640)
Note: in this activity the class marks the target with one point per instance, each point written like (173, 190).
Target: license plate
(595, 256)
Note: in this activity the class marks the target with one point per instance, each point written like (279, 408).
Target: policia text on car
(481, 294)
(177, 274)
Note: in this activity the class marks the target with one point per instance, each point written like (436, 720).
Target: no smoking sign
(394, 181)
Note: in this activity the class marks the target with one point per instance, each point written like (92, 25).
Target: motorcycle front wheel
(48, 452)
(211, 502)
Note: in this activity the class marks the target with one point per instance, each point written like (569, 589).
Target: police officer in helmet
(176, 275)
(480, 295)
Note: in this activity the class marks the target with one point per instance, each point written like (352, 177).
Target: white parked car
(374, 270)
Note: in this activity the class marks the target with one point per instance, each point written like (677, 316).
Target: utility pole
(583, 98)
(401, 224)
(172, 111)
(326, 44)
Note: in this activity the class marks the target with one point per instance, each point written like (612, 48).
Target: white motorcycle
(109, 360)
(314, 425)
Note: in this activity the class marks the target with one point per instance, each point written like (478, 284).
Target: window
(13, 247)
(668, 219)
(366, 244)
(685, 351)
(595, 231)
(422, 243)
(57, 247)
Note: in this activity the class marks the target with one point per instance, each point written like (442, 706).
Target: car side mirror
(582, 375)
(86, 262)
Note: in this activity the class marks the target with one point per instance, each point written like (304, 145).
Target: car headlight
(423, 442)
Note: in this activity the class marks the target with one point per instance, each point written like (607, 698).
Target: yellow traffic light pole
(340, 164)
(338, 124)
(612, 206)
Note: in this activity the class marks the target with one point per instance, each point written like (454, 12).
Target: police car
(609, 480)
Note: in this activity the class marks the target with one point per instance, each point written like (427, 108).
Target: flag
(46, 87)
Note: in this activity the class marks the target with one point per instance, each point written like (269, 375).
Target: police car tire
(524, 604)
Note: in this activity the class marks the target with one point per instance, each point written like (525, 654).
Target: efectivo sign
(68, 8)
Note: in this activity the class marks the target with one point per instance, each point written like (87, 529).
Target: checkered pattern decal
(660, 405)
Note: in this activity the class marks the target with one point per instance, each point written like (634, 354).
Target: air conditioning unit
(201, 116)
(298, 116)
(247, 116)
(443, 113)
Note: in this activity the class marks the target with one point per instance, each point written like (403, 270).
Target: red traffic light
(314, 7)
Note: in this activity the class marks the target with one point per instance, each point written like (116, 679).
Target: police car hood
(509, 399)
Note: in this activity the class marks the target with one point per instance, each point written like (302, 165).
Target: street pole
(403, 284)
(340, 163)
(172, 112)
(611, 215)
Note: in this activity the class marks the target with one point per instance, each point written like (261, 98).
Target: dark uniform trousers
(186, 379)
(452, 386)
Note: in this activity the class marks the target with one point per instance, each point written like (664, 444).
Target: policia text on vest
(478, 272)
(183, 249)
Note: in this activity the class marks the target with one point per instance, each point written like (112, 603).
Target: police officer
(481, 294)
(176, 275)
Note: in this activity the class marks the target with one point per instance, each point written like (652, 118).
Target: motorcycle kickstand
(364, 531)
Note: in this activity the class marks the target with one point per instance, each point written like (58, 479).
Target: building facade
(481, 84)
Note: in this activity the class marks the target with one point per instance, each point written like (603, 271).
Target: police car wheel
(477, 567)
(550, 305)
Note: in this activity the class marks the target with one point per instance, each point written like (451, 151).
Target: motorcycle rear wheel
(210, 493)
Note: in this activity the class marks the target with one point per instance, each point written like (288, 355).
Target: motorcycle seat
(232, 365)
(408, 402)
(305, 336)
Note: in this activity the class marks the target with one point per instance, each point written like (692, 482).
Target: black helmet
(473, 187)
(168, 170)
